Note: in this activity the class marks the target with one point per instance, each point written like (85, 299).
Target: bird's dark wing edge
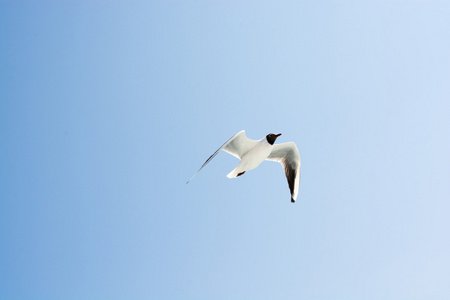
(291, 173)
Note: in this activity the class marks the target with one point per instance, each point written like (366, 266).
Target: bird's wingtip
(292, 200)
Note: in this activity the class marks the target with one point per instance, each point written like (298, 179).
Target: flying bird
(252, 153)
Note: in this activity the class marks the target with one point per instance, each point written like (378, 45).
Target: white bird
(252, 153)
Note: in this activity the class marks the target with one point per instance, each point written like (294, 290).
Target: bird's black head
(271, 137)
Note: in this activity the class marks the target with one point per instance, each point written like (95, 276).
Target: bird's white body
(252, 158)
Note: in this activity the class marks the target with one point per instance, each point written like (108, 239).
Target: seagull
(252, 153)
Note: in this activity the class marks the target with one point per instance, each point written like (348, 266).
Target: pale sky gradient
(107, 108)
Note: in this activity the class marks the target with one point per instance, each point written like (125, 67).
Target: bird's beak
(277, 135)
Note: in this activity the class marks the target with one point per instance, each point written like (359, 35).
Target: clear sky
(107, 108)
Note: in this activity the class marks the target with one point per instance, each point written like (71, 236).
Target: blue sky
(107, 108)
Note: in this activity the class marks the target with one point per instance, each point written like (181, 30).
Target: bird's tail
(233, 173)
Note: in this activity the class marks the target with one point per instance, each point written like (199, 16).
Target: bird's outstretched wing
(237, 145)
(287, 154)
